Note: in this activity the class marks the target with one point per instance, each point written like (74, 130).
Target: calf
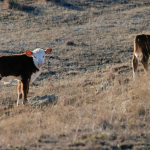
(141, 46)
(24, 67)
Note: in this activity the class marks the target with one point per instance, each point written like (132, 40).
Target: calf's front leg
(25, 89)
(19, 100)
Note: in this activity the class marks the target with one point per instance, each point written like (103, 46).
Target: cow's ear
(29, 53)
(48, 51)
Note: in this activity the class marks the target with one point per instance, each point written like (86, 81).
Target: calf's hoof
(19, 102)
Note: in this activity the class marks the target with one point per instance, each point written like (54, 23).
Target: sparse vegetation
(87, 99)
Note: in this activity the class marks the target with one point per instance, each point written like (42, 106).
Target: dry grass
(92, 76)
(87, 102)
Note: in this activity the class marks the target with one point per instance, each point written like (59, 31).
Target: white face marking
(38, 57)
(8, 78)
(35, 75)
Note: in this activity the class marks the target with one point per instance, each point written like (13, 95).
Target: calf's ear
(28, 53)
(48, 51)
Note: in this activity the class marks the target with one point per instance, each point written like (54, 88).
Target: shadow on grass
(66, 5)
(21, 7)
(43, 101)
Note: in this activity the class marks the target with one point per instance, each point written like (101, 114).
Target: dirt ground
(92, 42)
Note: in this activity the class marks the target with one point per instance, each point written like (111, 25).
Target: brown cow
(24, 67)
(141, 46)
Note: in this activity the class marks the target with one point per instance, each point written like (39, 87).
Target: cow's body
(141, 46)
(24, 67)
(17, 67)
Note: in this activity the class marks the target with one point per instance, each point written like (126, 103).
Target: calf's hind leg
(144, 62)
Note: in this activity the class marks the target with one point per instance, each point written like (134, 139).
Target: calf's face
(38, 56)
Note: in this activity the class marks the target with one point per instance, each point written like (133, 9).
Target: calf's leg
(144, 62)
(25, 89)
(135, 63)
(19, 100)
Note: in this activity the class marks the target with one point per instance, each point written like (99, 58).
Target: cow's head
(38, 56)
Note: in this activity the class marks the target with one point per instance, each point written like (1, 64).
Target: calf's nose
(40, 65)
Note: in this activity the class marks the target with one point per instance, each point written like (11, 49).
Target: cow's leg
(19, 101)
(144, 62)
(135, 63)
(25, 89)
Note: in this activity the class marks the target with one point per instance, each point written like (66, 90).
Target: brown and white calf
(24, 67)
(141, 46)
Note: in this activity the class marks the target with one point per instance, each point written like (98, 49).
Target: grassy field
(85, 97)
